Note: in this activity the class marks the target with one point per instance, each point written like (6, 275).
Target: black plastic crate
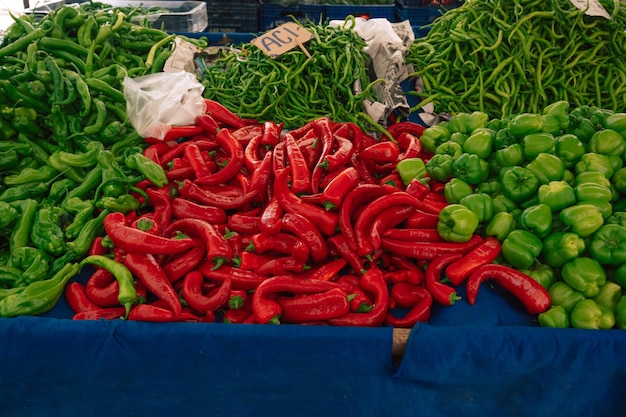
(273, 15)
(429, 3)
(340, 12)
(228, 17)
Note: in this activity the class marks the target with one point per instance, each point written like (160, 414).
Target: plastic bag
(156, 102)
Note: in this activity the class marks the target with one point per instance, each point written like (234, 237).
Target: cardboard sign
(283, 38)
(591, 8)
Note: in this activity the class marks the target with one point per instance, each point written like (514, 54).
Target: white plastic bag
(156, 102)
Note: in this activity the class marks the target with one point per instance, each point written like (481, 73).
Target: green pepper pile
(508, 57)
(295, 88)
(64, 143)
(551, 187)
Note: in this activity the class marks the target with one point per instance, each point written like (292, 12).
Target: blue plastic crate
(429, 3)
(340, 11)
(273, 15)
(227, 17)
(419, 16)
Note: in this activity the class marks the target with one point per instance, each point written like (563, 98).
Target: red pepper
(96, 247)
(408, 275)
(193, 295)
(154, 313)
(146, 223)
(426, 251)
(413, 234)
(282, 265)
(340, 244)
(406, 295)
(135, 240)
(309, 146)
(393, 179)
(266, 310)
(155, 150)
(208, 123)
(240, 278)
(217, 248)
(529, 292)
(223, 115)
(334, 193)
(251, 153)
(271, 133)
(232, 316)
(271, 217)
(397, 129)
(381, 152)
(178, 151)
(359, 301)
(326, 221)
(410, 145)
(345, 138)
(327, 271)
(251, 261)
(184, 209)
(420, 312)
(359, 195)
(178, 267)
(373, 282)
(102, 313)
(485, 253)
(422, 220)
(179, 132)
(77, 297)
(193, 155)
(388, 218)
(244, 223)
(315, 307)
(150, 273)
(442, 293)
(260, 178)
(179, 174)
(300, 175)
(102, 288)
(237, 299)
(308, 232)
(418, 189)
(364, 170)
(284, 243)
(189, 189)
(401, 262)
(235, 151)
(279, 161)
(323, 130)
(161, 206)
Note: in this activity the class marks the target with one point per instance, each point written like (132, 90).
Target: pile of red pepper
(261, 225)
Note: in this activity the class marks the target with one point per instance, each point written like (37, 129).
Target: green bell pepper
(476, 120)
(509, 156)
(492, 187)
(607, 142)
(504, 138)
(592, 192)
(547, 167)
(500, 225)
(556, 317)
(616, 217)
(480, 142)
(479, 203)
(587, 314)
(562, 294)
(591, 161)
(410, 169)
(536, 219)
(584, 274)
(609, 295)
(537, 143)
(455, 189)
(503, 203)
(439, 167)
(561, 247)
(470, 168)
(618, 180)
(617, 122)
(582, 218)
(608, 244)
(569, 149)
(559, 110)
(519, 183)
(620, 313)
(543, 274)
(525, 124)
(594, 177)
(434, 136)
(521, 248)
(457, 138)
(450, 148)
(581, 127)
(457, 223)
(557, 195)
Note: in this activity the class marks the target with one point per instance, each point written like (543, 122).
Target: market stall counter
(486, 359)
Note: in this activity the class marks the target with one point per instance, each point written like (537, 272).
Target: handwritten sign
(283, 38)
(591, 8)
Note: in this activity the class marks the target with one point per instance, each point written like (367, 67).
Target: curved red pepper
(426, 251)
(183, 209)
(176, 268)
(217, 248)
(300, 175)
(373, 282)
(251, 261)
(235, 151)
(340, 244)
(236, 316)
(266, 310)
(529, 292)
(193, 156)
(410, 145)
(271, 133)
(135, 240)
(222, 114)
(306, 230)
(103, 313)
(150, 273)
(284, 243)
(422, 220)
(279, 161)
(327, 271)
(325, 220)
(154, 313)
(189, 189)
(334, 193)
(315, 307)
(102, 288)
(251, 153)
(260, 178)
(245, 280)
(271, 217)
(413, 234)
(208, 123)
(442, 293)
(404, 263)
(323, 130)
(77, 299)
(420, 312)
(381, 152)
(389, 217)
(485, 253)
(396, 129)
(282, 265)
(193, 295)
(160, 201)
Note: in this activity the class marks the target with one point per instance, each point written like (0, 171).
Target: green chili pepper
(39, 297)
(8, 214)
(124, 203)
(457, 223)
(148, 168)
(34, 263)
(20, 235)
(127, 294)
(561, 247)
(82, 211)
(46, 233)
(90, 230)
(521, 248)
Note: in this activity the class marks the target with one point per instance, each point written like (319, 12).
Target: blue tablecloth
(490, 359)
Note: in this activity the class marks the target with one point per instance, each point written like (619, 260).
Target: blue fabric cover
(489, 359)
